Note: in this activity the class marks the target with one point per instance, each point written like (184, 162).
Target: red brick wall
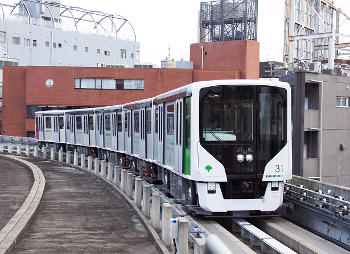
(242, 56)
(26, 86)
(14, 109)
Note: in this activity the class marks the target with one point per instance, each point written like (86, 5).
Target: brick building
(29, 89)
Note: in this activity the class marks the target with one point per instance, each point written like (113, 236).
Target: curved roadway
(16, 181)
(78, 214)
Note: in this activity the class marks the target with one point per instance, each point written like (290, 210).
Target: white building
(47, 33)
(39, 35)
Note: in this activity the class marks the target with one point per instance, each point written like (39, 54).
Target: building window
(130, 84)
(98, 51)
(132, 55)
(35, 43)
(47, 44)
(86, 49)
(16, 40)
(60, 45)
(107, 53)
(310, 144)
(75, 48)
(2, 36)
(109, 84)
(26, 42)
(342, 101)
(54, 45)
(122, 53)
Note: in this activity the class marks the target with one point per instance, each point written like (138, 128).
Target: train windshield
(227, 114)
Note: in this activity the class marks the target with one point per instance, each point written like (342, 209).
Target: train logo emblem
(208, 168)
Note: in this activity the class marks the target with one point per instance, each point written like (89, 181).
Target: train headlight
(249, 157)
(240, 157)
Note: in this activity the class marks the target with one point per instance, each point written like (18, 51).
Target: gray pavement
(78, 214)
(16, 181)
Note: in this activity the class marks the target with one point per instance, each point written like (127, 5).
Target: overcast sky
(160, 24)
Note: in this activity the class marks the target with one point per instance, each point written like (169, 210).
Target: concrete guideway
(79, 214)
(298, 239)
(232, 242)
(15, 227)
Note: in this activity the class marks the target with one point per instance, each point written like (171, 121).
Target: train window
(101, 124)
(156, 120)
(48, 123)
(113, 124)
(36, 124)
(170, 120)
(98, 122)
(136, 122)
(148, 122)
(91, 123)
(73, 124)
(108, 122)
(55, 125)
(119, 123)
(68, 123)
(79, 123)
(61, 122)
(129, 124)
(188, 125)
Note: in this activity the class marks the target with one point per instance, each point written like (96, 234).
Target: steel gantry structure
(312, 33)
(76, 14)
(224, 20)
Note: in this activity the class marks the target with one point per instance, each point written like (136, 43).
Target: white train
(216, 145)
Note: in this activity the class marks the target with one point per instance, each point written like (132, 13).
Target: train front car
(243, 137)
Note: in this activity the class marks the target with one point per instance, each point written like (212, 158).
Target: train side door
(120, 132)
(86, 130)
(169, 134)
(62, 133)
(40, 128)
(107, 130)
(143, 133)
(92, 133)
(128, 131)
(187, 137)
(56, 134)
(148, 134)
(155, 131)
(161, 133)
(99, 130)
(114, 132)
(179, 135)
